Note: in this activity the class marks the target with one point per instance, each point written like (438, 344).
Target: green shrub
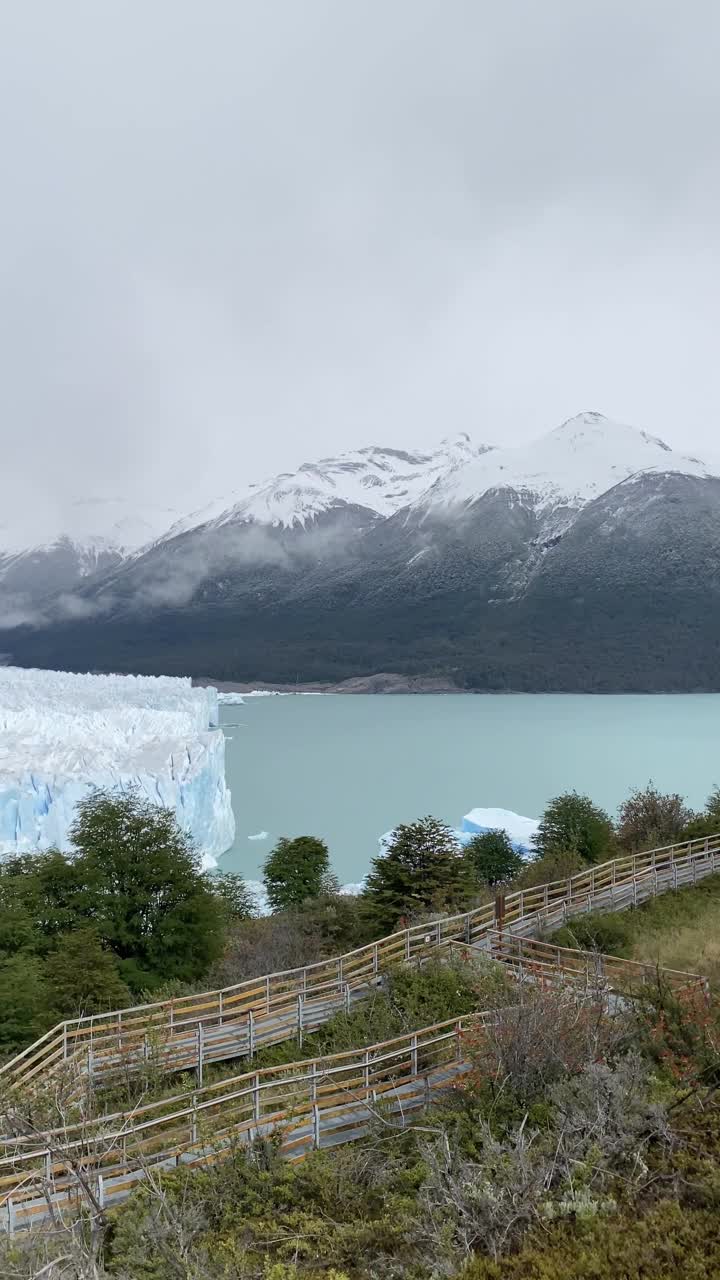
(611, 934)
(571, 823)
(668, 1243)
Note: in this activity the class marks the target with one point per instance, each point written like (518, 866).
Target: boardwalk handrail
(344, 1088)
(337, 1094)
(261, 996)
(534, 958)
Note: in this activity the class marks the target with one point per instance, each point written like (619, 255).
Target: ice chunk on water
(520, 830)
(63, 734)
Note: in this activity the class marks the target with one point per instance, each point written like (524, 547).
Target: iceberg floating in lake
(520, 830)
(61, 735)
(230, 699)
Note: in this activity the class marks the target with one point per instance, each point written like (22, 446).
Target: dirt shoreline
(384, 682)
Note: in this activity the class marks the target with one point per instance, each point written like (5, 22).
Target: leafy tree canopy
(573, 824)
(493, 857)
(296, 870)
(649, 819)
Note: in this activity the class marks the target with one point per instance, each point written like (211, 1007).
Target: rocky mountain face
(586, 560)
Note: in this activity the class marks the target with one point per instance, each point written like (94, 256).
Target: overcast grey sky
(236, 235)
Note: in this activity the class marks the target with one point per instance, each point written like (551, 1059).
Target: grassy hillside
(676, 930)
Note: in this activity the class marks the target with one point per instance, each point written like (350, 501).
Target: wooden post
(256, 1099)
(376, 962)
(300, 1020)
(11, 1216)
(200, 1048)
(499, 911)
(220, 1006)
(458, 1041)
(366, 1066)
(267, 994)
(193, 1124)
(347, 997)
(413, 1055)
(316, 1126)
(468, 928)
(65, 1040)
(407, 944)
(101, 1191)
(251, 1034)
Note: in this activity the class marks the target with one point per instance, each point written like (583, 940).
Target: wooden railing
(233, 1021)
(544, 962)
(321, 1102)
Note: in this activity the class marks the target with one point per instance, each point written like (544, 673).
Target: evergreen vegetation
(576, 1146)
(128, 911)
(421, 870)
(295, 871)
(571, 823)
(493, 858)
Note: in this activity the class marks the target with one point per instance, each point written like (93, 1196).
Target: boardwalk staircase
(234, 1022)
(96, 1163)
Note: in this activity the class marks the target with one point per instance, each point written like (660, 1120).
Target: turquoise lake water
(348, 768)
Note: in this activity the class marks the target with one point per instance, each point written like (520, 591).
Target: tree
(648, 819)
(556, 865)
(493, 858)
(22, 1001)
(142, 890)
(296, 870)
(422, 868)
(706, 823)
(82, 977)
(572, 823)
(237, 898)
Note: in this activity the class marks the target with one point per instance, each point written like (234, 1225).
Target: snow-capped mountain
(375, 479)
(91, 525)
(48, 553)
(568, 467)
(589, 558)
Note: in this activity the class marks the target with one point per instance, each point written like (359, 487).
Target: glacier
(61, 735)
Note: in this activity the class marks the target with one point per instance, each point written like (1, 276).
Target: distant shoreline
(383, 682)
(389, 683)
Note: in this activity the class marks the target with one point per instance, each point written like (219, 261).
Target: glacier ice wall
(63, 734)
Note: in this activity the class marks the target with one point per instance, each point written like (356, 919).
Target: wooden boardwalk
(320, 1102)
(232, 1022)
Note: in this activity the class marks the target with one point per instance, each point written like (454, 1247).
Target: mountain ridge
(596, 535)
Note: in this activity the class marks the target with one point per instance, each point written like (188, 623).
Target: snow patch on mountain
(568, 467)
(93, 526)
(380, 480)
